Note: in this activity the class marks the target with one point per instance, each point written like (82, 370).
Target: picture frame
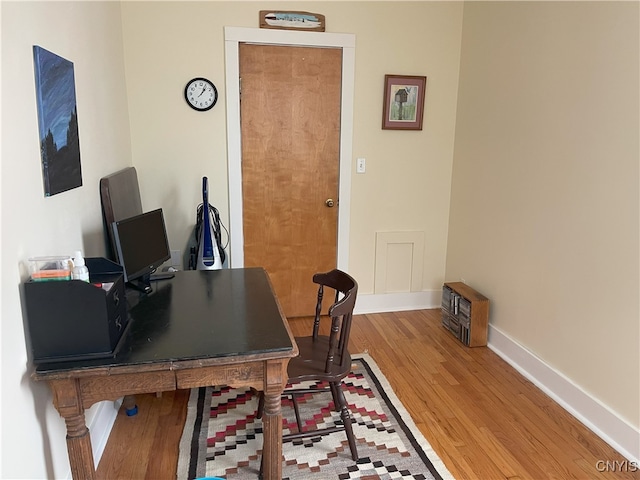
(57, 122)
(292, 20)
(403, 102)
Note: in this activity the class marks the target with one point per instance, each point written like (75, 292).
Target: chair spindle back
(340, 312)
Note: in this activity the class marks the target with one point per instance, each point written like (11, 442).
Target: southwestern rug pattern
(222, 437)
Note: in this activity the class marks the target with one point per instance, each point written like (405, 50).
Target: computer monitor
(142, 246)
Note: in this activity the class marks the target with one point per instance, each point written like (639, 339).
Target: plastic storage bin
(43, 269)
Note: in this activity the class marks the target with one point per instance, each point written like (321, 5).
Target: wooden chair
(324, 358)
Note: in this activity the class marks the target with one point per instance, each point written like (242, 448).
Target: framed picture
(288, 20)
(57, 122)
(403, 106)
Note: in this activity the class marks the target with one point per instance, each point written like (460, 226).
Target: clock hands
(203, 90)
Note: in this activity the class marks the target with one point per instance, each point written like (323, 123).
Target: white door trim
(232, 37)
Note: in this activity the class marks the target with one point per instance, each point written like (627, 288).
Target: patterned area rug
(222, 437)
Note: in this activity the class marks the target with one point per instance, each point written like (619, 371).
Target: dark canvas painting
(57, 121)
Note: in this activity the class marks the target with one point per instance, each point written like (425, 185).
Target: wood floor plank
(170, 425)
(484, 419)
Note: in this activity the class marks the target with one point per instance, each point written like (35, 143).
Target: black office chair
(325, 360)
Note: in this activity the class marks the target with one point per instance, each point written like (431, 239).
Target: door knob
(329, 202)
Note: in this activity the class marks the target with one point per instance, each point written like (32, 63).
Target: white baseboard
(596, 416)
(101, 426)
(397, 302)
(100, 429)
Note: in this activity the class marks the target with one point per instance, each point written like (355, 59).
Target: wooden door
(290, 128)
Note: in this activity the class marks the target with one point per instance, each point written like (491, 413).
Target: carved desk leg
(66, 399)
(275, 382)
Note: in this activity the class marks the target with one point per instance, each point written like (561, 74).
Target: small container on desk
(76, 320)
(52, 268)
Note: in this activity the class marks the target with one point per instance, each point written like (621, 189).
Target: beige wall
(406, 187)
(544, 203)
(89, 35)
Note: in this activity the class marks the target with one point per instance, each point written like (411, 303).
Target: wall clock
(201, 94)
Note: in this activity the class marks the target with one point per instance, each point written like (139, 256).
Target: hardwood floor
(483, 418)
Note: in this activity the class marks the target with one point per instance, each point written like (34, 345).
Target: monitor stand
(162, 276)
(143, 284)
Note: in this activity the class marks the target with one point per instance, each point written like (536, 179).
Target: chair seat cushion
(310, 363)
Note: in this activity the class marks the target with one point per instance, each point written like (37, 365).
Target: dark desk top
(197, 315)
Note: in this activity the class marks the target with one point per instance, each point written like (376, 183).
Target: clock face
(201, 94)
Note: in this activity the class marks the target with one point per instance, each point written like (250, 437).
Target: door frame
(233, 36)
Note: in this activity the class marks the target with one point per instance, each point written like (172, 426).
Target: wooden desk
(222, 327)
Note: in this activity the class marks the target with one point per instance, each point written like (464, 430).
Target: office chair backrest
(120, 199)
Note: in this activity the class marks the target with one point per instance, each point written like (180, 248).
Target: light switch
(361, 165)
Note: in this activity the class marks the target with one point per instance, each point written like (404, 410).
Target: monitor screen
(141, 244)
